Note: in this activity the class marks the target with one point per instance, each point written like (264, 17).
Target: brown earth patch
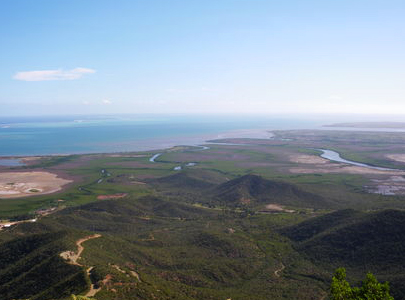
(307, 159)
(72, 257)
(396, 157)
(258, 165)
(138, 182)
(393, 185)
(277, 207)
(272, 207)
(340, 168)
(112, 196)
(23, 184)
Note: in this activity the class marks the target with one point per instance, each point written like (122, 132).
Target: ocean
(51, 135)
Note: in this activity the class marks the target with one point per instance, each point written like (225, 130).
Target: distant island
(369, 125)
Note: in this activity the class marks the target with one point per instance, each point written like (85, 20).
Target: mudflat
(397, 157)
(22, 184)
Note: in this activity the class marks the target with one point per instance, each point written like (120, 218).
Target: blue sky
(223, 56)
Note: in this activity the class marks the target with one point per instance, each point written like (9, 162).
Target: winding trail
(9, 224)
(324, 297)
(277, 272)
(72, 258)
(93, 290)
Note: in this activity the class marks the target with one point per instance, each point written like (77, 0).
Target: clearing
(22, 184)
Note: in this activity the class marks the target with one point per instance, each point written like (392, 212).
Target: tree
(370, 289)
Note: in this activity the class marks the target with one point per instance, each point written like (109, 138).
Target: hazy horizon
(223, 57)
(324, 118)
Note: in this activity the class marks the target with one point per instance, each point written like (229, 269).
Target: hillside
(375, 239)
(157, 247)
(253, 190)
(188, 181)
(358, 241)
(315, 226)
(31, 268)
(152, 247)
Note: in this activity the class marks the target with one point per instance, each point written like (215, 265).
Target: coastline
(151, 145)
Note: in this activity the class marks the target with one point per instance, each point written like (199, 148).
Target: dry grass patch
(308, 159)
(112, 197)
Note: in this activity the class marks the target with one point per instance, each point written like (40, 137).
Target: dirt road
(72, 258)
(277, 272)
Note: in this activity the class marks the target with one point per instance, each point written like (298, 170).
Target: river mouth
(335, 156)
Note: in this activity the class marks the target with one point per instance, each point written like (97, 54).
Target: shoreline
(155, 145)
(160, 145)
(157, 139)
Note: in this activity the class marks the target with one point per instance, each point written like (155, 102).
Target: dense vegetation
(252, 190)
(178, 251)
(360, 241)
(370, 288)
(182, 251)
(31, 268)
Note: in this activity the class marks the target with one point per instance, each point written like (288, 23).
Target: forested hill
(361, 242)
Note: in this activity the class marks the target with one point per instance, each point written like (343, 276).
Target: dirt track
(73, 257)
(93, 290)
(277, 272)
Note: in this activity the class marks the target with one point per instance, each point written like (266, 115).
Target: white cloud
(46, 75)
(107, 101)
(86, 102)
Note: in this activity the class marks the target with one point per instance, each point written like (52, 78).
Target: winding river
(152, 159)
(334, 156)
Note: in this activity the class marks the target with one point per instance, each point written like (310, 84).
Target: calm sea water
(97, 134)
(12, 162)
